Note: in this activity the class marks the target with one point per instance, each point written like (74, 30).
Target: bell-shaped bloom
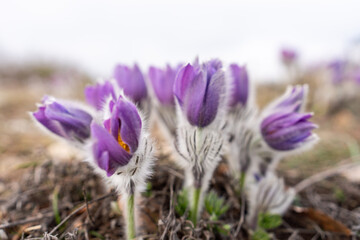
(118, 139)
(162, 81)
(239, 85)
(64, 119)
(131, 80)
(288, 56)
(97, 94)
(198, 91)
(284, 131)
(294, 97)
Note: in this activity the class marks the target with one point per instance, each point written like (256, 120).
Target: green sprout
(215, 205)
(266, 221)
(182, 202)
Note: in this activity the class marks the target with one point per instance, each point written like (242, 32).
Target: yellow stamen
(122, 144)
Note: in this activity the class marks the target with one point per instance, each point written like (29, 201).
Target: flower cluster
(210, 113)
(112, 128)
(260, 140)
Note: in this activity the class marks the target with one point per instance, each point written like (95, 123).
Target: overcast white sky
(97, 34)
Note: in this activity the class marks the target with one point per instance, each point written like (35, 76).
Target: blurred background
(94, 35)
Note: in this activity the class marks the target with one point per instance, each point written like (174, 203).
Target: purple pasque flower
(118, 139)
(97, 94)
(64, 119)
(338, 71)
(131, 80)
(162, 81)
(198, 91)
(294, 98)
(284, 131)
(239, 85)
(356, 76)
(288, 55)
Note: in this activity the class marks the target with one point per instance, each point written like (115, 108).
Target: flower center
(122, 144)
(107, 125)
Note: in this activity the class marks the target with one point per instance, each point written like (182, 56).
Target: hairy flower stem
(130, 217)
(195, 205)
(242, 181)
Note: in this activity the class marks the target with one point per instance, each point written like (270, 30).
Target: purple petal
(107, 151)
(338, 68)
(131, 81)
(287, 131)
(198, 92)
(182, 82)
(75, 118)
(212, 98)
(73, 121)
(64, 120)
(96, 95)
(288, 56)
(125, 120)
(291, 133)
(130, 128)
(212, 67)
(297, 96)
(162, 83)
(194, 105)
(283, 120)
(51, 125)
(240, 85)
(203, 98)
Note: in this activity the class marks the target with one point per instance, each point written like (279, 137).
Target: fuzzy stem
(195, 204)
(130, 217)
(242, 181)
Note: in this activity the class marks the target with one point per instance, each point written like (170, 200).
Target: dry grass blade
(78, 210)
(325, 174)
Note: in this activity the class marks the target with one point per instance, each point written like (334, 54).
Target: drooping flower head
(284, 131)
(198, 91)
(288, 56)
(118, 139)
(239, 85)
(162, 81)
(97, 94)
(131, 80)
(64, 119)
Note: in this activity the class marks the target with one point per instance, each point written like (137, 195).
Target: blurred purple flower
(96, 94)
(239, 85)
(294, 98)
(64, 119)
(356, 76)
(286, 131)
(118, 139)
(131, 80)
(162, 81)
(288, 56)
(338, 71)
(198, 91)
